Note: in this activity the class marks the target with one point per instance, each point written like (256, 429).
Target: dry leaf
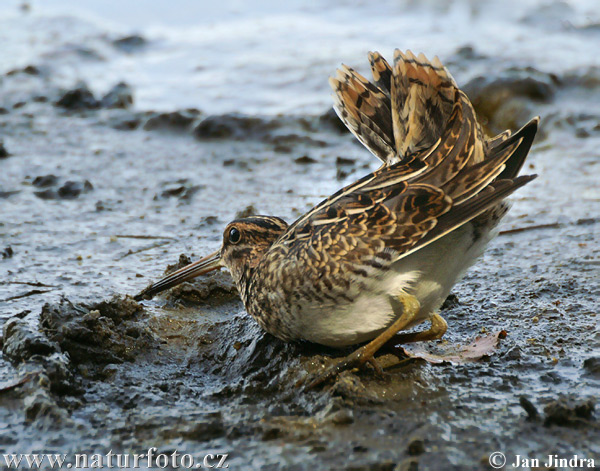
(10, 386)
(458, 354)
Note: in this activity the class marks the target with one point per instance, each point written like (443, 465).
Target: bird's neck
(244, 282)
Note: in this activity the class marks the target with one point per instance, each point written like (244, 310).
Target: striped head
(245, 241)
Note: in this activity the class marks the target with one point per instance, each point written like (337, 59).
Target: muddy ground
(97, 197)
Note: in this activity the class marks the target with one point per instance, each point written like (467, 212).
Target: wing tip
(526, 178)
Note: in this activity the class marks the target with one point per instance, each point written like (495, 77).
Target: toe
(352, 361)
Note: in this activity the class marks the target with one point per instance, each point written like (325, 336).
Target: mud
(100, 197)
(506, 101)
(3, 152)
(119, 96)
(78, 98)
(177, 120)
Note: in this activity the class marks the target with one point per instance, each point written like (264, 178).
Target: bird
(379, 257)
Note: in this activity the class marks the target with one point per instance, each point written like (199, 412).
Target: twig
(133, 252)
(553, 225)
(29, 293)
(133, 236)
(28, 283)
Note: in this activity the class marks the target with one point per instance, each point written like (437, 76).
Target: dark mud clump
(215, 288)
(130, 44)
(78, 98)
(111, 331)
(20, 342)
(43, 369)
(73, 189)
(529, 408)
(330, 121)
(125, 119)
(7, 252)
(248, 211)
(75, 341)
(183, 261)
(305, 160)
(592, 366)
(569, 412)
(120, 96)
(28, 70)
(586, 78)
(181, 189)
(68, 191)
(43, 181)
(344, 167)
(511, 99)
(8, 194)
(3, 152)
(233, 126)
(467, 53)
(283, 133)
(173, 121)
(285, 143)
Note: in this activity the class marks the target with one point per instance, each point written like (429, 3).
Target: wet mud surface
(99, 197)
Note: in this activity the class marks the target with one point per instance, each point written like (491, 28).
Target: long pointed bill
(202, 266)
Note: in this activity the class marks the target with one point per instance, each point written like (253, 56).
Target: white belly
(427, 274)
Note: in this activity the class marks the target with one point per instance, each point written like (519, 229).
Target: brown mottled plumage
(380, 255)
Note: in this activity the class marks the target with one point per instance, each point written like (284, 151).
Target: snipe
(381, 255)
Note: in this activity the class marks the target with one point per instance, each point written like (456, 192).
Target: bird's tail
(405, 109)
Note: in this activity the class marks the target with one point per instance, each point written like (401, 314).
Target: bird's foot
(409, 307)
(437, 331)
(355, 360)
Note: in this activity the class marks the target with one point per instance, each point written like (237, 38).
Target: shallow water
(157, 193)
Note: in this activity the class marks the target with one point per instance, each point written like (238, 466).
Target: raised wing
(440, 173)
(405, 110)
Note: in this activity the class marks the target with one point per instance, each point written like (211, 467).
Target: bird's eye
(234, 235)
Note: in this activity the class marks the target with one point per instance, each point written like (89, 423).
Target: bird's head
(245, 241)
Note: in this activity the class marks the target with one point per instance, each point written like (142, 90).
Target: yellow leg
(437, 331)
(410, 308)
